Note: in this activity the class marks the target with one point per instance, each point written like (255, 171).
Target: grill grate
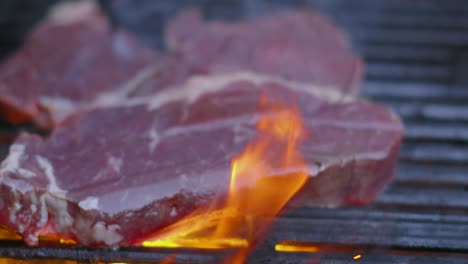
(417, 55)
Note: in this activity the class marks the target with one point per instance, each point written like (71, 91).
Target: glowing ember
(54, 239)
(263, 179)
(297, 247)
(8, 234)
(168, 260)
(311, 247)
(357, 257)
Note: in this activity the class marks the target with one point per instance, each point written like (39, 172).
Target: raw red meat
(73, 60)
(296, 45)
(66, 62)
(110, 176)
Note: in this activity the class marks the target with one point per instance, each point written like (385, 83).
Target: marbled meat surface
(295, 45)
(65, 63)
(112, 175)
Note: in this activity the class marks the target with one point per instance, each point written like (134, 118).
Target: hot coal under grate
(417, 57)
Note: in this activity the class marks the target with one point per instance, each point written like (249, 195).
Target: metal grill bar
(423, 92)
(372, 258)
(430, 111)
(395, 20)
(407, 71)
(92, 256)
(442, 175)
(398, 6)
(378, 228)
(369, 255)
(405, 54)
(434, 152)
(455, 38)
(431, 132)
(437, 197)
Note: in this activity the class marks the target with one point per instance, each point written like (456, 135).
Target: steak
(112, 175)
(73, 60)
(296, 45)
(66, 62)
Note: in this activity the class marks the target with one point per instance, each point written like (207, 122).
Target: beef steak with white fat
(296, 45)
(67, 61)
(74, 60)
(111, 176)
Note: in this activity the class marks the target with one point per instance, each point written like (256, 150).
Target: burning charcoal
(114, 176)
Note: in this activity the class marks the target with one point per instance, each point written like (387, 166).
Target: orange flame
(168, 260)
(263, 179)
(8, 234)
(312, 247)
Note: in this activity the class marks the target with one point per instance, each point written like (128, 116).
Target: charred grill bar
(417, 57)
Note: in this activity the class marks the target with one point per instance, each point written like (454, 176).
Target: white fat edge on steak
(115, 163)
(23, 217)
(120, 94)
(64, 222)
(320, 166)
(48, 170)
(43, 212)
(90, 203)
(239, 128)
(16, 206)
(375, 126)
(173, 212)
(69, 12)
(54, 200)
(197, 86)
(154, 138)
(84, 228)
(17, 212)
(59, 107)
(62, 218)
(107, 234)
(12, 163)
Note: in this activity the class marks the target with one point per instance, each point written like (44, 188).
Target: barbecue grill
(417, 63)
